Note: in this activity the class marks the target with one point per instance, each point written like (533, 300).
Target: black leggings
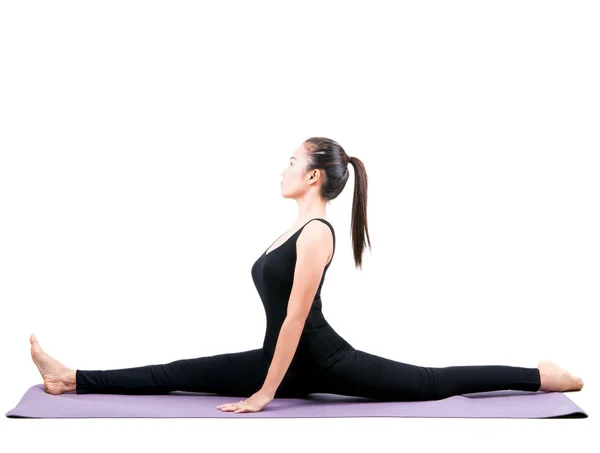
(354, 373)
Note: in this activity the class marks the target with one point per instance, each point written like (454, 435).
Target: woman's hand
(255, 403)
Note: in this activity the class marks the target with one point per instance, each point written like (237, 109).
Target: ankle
(545, 384)
(70, 380)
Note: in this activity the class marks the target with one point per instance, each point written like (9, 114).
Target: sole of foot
(54, 373)
(556, 379)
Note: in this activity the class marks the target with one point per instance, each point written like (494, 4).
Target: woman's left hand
(255, 403)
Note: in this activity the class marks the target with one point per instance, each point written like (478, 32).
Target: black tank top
(273, 276)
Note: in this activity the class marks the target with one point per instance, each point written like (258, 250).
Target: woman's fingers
(231, 406)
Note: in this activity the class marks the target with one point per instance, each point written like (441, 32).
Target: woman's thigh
(231, 374)
(362, 374)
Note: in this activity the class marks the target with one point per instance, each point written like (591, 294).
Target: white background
(141, 151)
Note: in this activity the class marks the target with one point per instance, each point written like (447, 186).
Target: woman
(301, 352)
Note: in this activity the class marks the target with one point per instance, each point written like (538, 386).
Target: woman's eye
(290, 163)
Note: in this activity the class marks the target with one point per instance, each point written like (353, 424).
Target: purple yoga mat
(36, 403)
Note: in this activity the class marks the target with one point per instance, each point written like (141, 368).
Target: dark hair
(327, 155)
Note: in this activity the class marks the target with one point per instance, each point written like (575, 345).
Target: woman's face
(293, 175)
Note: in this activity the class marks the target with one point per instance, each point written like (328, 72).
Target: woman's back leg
(359, 373)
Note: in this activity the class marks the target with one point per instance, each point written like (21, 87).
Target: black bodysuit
(323, 363)
(273, 275)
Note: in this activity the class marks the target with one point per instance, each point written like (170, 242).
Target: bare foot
(57, 377)
(556, 379)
